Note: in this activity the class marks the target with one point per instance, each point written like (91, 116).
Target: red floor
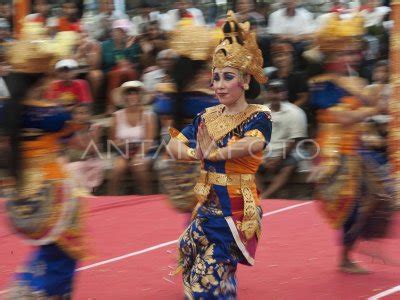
(296, 258)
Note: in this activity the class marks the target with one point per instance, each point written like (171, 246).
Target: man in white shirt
(374, 13)
(291, 23)
(289, 126)
(184, 8)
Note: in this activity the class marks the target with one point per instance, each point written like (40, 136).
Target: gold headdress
(238, 49)
(339, 35)
(35, 52)
(193, 41)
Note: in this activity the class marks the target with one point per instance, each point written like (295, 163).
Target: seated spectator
(337, 7)
(66, 89)
(41, 15)
(4, 71)
(295, 81)
(289, 125)
(88, 56)
(99, 26)
(380, 88)
(133, 128)
(151, 42)
(69, 21)
(157, 74)
(7, 13)
(291, 23)
(246, 11)
(118, 58)
(83, 160)
(5, 35)
(374, 13)
(184, 9)
(146, 14)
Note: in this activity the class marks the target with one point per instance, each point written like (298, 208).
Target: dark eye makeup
(226, 76)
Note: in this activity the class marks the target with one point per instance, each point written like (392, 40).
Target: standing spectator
(291, 23)
(295, 81)
(67, 90)
(119, 58)
(289, 125)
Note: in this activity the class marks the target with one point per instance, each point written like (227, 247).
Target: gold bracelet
(191, 153)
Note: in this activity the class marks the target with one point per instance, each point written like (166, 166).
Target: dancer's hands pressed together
(206, 146)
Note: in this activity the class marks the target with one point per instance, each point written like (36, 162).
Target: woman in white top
(133, 132)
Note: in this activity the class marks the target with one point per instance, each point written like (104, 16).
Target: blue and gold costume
(44, 207)
(226, 222)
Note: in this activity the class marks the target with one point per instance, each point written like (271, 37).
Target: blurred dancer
(183, 94)
(228, 139)
(42, 203)
(354, 193)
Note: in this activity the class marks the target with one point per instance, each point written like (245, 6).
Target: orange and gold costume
(226, 222)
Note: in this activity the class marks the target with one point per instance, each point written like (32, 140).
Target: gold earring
(246, 86)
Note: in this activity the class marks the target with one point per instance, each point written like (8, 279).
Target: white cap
(123, 24)
(66, 63)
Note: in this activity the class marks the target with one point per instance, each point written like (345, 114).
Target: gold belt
(250, 223)
(224, 179)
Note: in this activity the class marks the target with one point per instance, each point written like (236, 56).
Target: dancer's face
(228, 85)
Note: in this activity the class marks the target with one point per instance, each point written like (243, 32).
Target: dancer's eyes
(228, 76)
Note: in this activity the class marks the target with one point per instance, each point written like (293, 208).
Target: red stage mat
(133, 241)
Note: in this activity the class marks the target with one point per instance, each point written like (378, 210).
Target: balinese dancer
(228, 139)
(352, 191)
(42, 203)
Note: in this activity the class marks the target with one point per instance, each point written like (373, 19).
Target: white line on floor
(4, 292)
(127, 255)
(286, 208)
(100, 263)
(175, 241)
(385, 293)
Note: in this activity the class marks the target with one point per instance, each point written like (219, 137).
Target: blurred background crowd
(121, 69)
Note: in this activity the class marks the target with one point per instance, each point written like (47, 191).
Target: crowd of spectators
(121, 57)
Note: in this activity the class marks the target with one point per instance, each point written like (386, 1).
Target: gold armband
(176, 134)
